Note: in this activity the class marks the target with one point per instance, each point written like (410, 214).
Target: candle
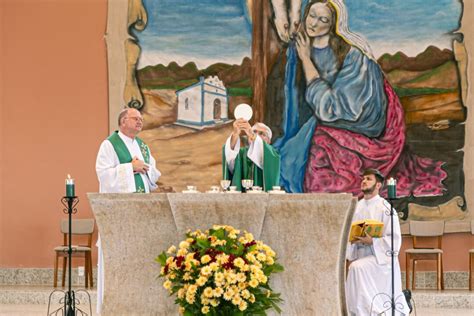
(392, 188)
(70, 192)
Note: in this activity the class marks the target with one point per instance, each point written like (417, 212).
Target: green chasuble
(124, 156)
(244, 168)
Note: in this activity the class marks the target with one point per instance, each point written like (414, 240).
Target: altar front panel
(307, 231)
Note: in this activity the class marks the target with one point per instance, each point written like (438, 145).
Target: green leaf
(203, 243)
(251, 248)
(220, 233)
(187, 313)
(278, 268)
(161, 259)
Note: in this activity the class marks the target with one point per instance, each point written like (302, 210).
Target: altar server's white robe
(370, 270)
(118, 178)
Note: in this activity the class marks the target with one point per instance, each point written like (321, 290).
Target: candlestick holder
(395, 304)
(70, 303)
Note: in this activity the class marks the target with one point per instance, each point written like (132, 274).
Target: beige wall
(54, 115)
(53, 96)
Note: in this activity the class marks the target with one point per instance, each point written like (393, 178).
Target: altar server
(370, 263)
(259, 161)
(124, 165)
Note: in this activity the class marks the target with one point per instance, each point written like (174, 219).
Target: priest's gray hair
(122, 114)
(269, 131)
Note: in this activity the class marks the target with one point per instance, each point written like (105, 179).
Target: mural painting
(344, 85)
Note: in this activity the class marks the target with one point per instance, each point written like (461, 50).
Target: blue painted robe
(350, 98)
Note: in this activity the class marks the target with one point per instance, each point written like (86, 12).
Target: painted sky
(203, 31)
(208, 31)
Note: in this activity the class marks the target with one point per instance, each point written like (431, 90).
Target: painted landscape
(427, 84)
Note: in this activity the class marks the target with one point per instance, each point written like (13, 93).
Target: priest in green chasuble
(124, 165)
(259, 161)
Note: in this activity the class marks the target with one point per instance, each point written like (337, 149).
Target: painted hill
(431, 58)
(173, 76)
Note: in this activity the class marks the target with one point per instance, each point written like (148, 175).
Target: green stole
(244, 168)
(124, 156)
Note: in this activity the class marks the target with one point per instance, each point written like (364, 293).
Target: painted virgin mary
(347, 117)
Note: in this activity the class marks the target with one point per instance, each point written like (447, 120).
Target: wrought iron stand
(69, 301)
(392, 303)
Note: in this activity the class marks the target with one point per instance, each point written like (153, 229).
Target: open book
(365, 227)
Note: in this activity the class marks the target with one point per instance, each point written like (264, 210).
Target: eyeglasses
(135, 118)
(260, 133)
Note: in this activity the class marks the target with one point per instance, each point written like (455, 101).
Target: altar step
(33, 300)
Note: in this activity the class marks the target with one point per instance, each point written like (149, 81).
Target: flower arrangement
(220, 272)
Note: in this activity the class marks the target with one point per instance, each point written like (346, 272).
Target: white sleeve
(153, 173)
(255, 152)
(231, 154)
(382, 245)
(113, 176)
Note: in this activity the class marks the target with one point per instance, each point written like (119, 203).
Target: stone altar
(307, 231)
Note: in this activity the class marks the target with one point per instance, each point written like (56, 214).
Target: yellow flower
(190, 298)
(262, 278)
(205, 309)
(206, 271)
(184, 245)
(245, 294)
(189, 256)
(181, 293)
(187, 266)
(219, 277)
(242, 285)
(189, 240)
(270, 261)
(261, 256)
(201, 281)
(243, 305)
(250, 257)
(228, 295)
(239, 262)
(214, 302)
(171, 250)
(253, 283)
(248, 236)
(167, 284)
(214, 266)
(169, 260)
(205, 301)
(252, 298)
(270, 253)
(205, 259)
(218, 291)
(236, 300)
(192, 289)
(162, 271)
(187, 276)
(182, 252)
(231, 278)
(208, 292)
(181, 310)
(241, 277)
(222, 258)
